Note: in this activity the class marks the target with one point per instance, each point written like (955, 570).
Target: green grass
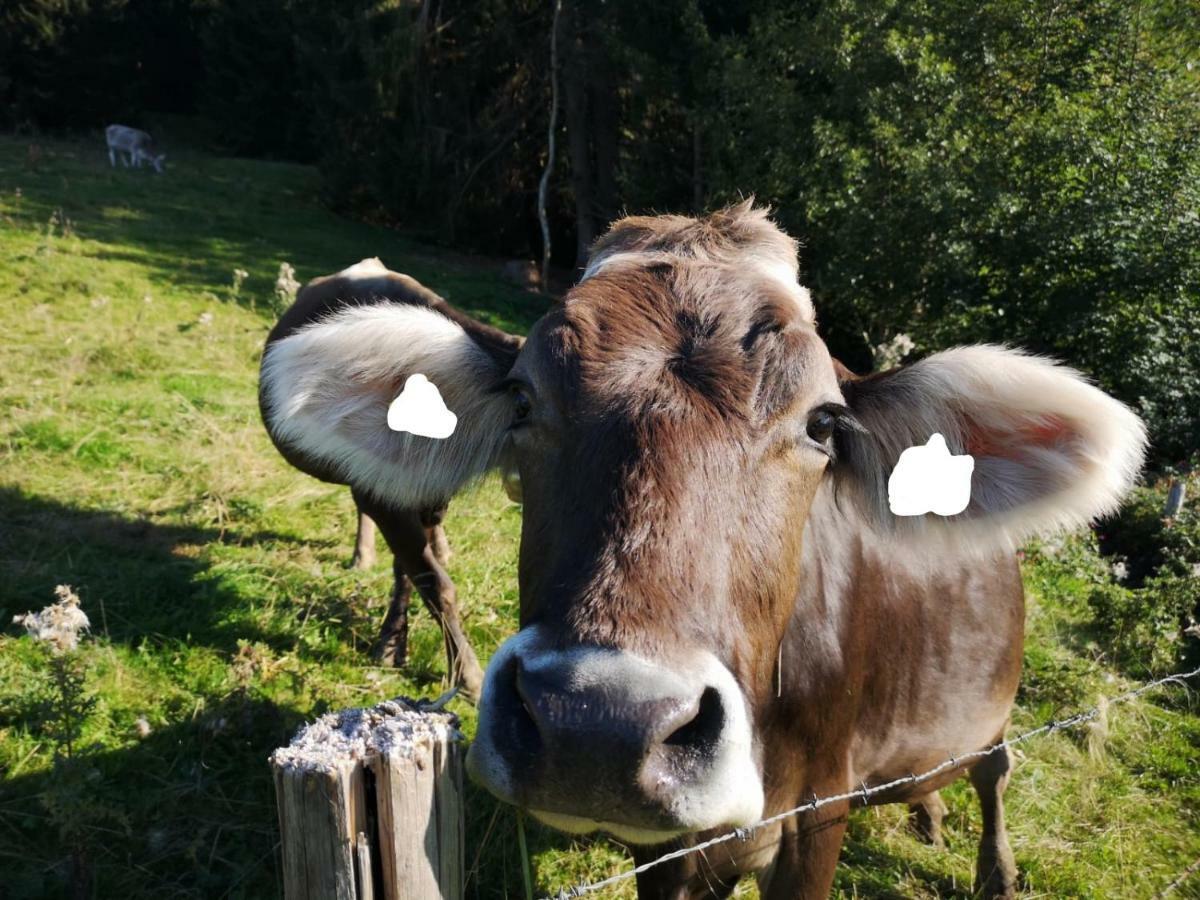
(133, 466)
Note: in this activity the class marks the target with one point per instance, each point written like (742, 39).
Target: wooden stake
(373, 792)
(1176, 494)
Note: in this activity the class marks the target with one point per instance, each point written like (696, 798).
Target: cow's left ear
(1051, 450)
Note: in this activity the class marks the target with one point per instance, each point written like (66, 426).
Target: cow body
(411, 527)
(133, 146)
(720, 617)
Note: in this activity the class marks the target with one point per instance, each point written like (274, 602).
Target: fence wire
(867, 791)
(1178, 881)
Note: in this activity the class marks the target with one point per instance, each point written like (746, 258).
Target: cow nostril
(527, 709)
(703, 729)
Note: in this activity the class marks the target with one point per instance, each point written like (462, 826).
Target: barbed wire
(867, 791)
(1178, 881)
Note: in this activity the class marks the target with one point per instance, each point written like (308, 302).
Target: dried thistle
(252, 661)
(235, 286)
(58, 625)
(1097, 737)
(286, 287)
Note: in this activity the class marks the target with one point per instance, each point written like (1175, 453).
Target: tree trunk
(575, 78)
(552, 131)
(605, 128)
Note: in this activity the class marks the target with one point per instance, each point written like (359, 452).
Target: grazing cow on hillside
(720, 617)
(137, 147)
(336, 341)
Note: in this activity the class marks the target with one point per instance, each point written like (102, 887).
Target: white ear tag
(928, 478)
(420, 410)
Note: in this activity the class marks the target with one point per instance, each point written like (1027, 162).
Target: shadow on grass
(151, 580)
(868, 869)
(187, 811)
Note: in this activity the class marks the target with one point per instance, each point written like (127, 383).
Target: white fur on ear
(1051, 450)
(328, 386)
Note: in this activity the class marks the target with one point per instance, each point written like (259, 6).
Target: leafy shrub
(1140, 628)
(1143, 596)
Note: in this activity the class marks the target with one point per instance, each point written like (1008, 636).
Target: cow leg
(407, 537)
(392, 647)
(925, 818)
(364, 542)
(437, 590)
(436, 534)
(112, 158)
(686, 878)
(808, 854)
(440, 544)
(995, 867)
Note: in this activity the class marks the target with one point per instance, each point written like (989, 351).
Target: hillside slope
(133, 467)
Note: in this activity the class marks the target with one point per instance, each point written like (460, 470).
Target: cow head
(671, 425)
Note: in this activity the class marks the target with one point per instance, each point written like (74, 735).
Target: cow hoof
(362, 561)
(925, 820)
(392, 650)
(996, 889)
(925, 831)
(996, 877)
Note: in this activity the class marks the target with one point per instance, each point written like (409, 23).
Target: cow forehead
(678, 339)
(741, 238)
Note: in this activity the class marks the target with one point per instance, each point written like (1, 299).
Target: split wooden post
(370, 805)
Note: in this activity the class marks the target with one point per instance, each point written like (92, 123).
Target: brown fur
(665, 476)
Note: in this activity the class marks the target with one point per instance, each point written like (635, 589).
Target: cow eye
(821, 425)
(522, 408)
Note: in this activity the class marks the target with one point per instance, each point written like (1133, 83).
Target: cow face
(672, 424)
(672, 421)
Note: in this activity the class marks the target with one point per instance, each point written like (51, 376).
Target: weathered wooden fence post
(370, 805)
(1176, 493)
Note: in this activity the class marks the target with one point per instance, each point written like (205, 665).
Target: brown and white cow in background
(327, 371)
(719, 614)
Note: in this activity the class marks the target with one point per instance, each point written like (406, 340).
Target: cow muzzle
(593, 738)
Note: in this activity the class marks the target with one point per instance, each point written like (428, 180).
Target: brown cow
(719, 615)
(333, 344)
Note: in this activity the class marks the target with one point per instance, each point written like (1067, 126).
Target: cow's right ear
(325, 390)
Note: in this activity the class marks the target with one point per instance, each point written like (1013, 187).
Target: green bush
(1142, 596)
(1140, 629)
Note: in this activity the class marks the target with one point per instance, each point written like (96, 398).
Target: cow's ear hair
(1051, 450)
(325, 390)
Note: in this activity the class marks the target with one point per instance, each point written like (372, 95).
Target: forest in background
(1004, 170)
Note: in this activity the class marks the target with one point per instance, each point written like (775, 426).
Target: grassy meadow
(133, 466)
